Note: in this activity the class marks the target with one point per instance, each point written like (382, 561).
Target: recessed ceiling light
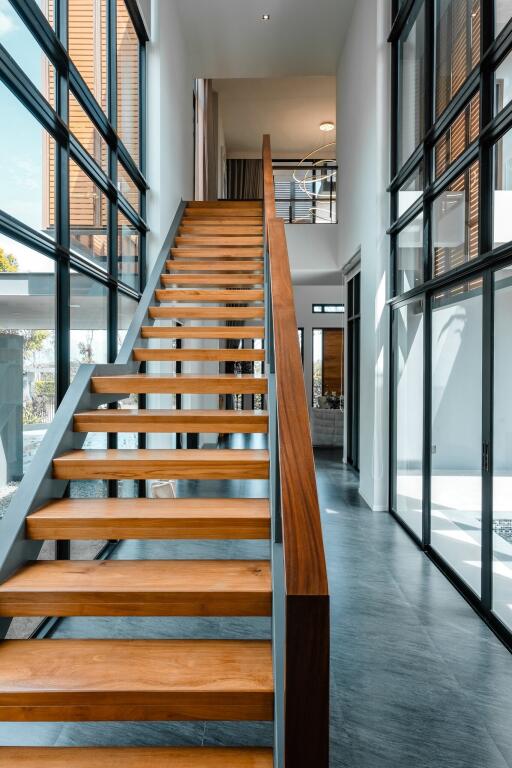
(327, 126)
(265, 17)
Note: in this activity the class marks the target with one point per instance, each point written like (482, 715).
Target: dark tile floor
(418, 680)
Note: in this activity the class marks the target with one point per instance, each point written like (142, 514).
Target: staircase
(216, 260)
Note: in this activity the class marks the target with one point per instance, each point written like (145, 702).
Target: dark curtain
(244, 179)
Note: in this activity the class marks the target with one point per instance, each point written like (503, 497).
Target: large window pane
(502, 457)
(87, 134)
(411, 87)
(88, 341)
(455, 223)
(87, 30)
(88, 216)
(27, 359)
(128, 188)
(22, 46)
(27, 160)
(502, 197)
(457, 429)
(129, 252)
(411, 190)
(127, 81)
(409, 264)
(457, 47)
(408, 404)
(502, 14)
(126, 308)
(458, 137)
(503, 84)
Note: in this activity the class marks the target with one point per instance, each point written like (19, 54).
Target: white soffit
(227, 38)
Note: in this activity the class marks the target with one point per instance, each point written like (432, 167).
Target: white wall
(305, 296)
(363, 150)
(170, 124)
(313, 252)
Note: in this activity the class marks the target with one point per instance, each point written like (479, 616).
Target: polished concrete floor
(418, 681)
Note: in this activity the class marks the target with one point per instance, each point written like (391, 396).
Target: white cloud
(6, 24)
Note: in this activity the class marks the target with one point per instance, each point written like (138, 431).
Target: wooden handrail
(268, 181)
(306, 591)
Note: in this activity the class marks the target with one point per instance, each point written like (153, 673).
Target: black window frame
(487, 261)
(53, 43)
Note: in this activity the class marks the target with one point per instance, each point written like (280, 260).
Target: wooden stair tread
(136, 757)
(185, 383)
(189, 252)
(181, 518)
(65, 680)
(222, 240)
(212, 213)
(155, 463)
(208, 313)
(192, 294)
(130, 420)
(199, 355)
(237, 204)
(212, 279)
(203, 332)
(138, 588)
(255, 265)
(227, 230)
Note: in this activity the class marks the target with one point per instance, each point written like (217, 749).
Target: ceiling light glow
(327, 126)
(265, 17)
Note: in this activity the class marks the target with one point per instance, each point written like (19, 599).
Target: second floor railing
(305, 192)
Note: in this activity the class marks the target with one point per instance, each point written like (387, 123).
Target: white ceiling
(227, 38)
(290, 109)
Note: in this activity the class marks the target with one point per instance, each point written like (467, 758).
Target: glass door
(456, 429)
(502, 449)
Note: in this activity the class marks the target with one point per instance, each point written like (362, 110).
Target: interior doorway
(352, 405)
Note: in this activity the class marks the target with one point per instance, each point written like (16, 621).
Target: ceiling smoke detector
(327, 126)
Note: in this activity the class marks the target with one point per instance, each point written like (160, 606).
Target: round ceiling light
(265, 17)
(327, 126)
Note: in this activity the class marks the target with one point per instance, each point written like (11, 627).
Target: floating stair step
(193, 295)
(136, 757)
(199, 355)
(232, 219)
(223, 204)
(210, 280)
(254, 230)
(219, 240)
(197, 518)
(105, 680)
(181, 383)
(154, 463)
(203, 332)
(256, 265)
(197, 421)
(138, 588)
(207, 313)
(213, 253)
(213, 213)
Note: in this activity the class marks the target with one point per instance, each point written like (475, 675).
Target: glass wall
(411, 84)
(502, 449)
(64, 219)
(456, 484)
(451, 292)
(408, 407)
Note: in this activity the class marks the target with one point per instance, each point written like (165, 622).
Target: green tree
(8, 262)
